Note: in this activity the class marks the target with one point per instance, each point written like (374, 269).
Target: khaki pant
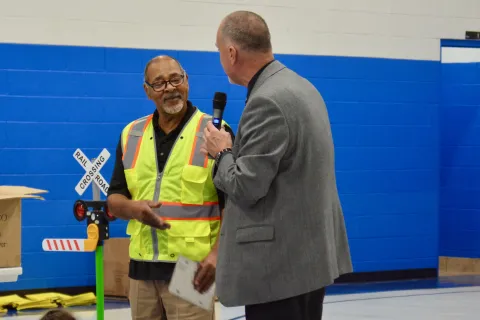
(148, 298)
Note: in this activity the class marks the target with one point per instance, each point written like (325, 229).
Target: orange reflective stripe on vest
(134, 140)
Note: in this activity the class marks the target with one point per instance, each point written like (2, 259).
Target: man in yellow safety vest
(162, 183)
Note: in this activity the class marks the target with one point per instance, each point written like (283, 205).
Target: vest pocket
(190, 239)
(135, 247)
(193, 182)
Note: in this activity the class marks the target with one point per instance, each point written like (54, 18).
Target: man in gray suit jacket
(283, 237)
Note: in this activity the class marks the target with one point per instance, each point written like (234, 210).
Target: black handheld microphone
(219, 102)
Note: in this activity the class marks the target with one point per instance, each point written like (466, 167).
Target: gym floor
(444, 298)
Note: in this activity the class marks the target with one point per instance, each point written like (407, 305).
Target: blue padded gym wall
(460, 157)
(384, 114)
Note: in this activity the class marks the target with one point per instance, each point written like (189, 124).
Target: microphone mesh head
(220, 96)
(220, 99)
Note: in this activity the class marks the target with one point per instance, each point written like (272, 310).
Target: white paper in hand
(181, 284)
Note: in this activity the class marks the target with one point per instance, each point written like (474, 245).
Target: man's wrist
(213, 253)
(220, 155)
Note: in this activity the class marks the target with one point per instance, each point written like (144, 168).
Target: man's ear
(147, 92)
(232, 54)
(186, 83)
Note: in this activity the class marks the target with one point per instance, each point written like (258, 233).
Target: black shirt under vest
(140, 270)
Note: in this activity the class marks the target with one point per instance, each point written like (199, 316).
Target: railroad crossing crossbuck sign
(92, 171)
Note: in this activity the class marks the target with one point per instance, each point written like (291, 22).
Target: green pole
(99, 282)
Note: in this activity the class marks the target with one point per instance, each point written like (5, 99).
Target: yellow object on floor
(49, 300)
(12, 301)
(80, 300)
(52, 296)
(45, 304)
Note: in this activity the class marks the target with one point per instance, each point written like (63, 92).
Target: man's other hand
(205, 275)
(142, 211)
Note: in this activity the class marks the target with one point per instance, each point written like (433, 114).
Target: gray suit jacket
(283, 232)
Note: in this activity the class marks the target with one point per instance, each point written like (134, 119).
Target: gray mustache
(173, 96)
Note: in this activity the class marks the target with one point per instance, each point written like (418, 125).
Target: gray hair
(248, 30)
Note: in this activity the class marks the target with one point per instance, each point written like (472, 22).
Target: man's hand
(142, 211)
(205, 275)
(215, 140)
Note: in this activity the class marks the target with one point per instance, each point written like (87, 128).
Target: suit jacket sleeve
(246, 178)
(220, 193)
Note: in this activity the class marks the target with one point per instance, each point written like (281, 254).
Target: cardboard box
(116, 261)
(456, 266)
(11, 222)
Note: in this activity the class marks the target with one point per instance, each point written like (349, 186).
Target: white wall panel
(460, 55)
(406, 29)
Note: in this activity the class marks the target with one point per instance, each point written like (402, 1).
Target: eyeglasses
(161, 85)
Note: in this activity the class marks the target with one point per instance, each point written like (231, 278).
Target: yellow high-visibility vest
(184, 187)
